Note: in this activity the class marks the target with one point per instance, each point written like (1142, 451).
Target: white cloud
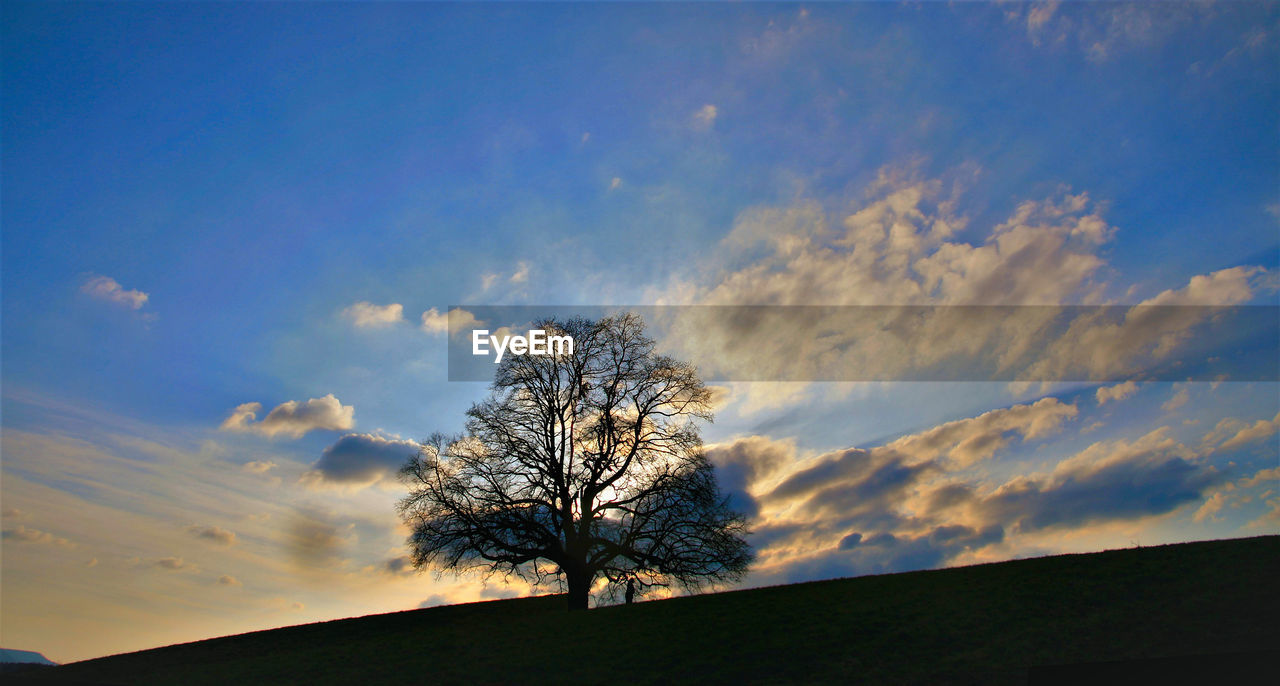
(108, 289)
(366, 315)
(1116, 392)
(435, 322)
(292, 418)
(521, 274)
(615, 183)
(706, 116)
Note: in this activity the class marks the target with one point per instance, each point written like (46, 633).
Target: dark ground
(1167, 614)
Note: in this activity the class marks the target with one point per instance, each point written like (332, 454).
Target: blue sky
(257, 170)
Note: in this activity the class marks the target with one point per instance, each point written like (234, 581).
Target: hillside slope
(982, 624)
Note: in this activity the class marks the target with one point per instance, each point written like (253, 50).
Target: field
(1184, 611)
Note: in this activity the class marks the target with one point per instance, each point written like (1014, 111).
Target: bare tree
(579, 467)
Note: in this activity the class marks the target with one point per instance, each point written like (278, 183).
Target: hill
(1180, 610)
(24, 657)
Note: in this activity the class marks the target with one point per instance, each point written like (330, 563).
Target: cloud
(967, 441)
(1209, 510)
(1178, 400)
(366, 315)
(890, 292)
(25, 535)
(919, 501)
(501, 592)
(868, 484)
(780, 37)
(742, 464)
(706, 115)
(521, 274)
(435, 322)
(292, 418)
(13, 513)
(1118, 479)
(280, 603)
(1038, 15)
(109, 290)
(858, 554)
(615, 183)
(360, 460)
(399, 566)
(434, 600)
(1257, 431)
(315, 540)
(175, 564)
(228, 580)
(1102, 31)
(896, 249)
(1117, 392)
(1263, 477)
(258, 466)
(214, 534)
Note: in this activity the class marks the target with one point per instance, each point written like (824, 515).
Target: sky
(230, 232)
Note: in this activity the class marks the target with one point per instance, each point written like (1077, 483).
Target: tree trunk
(579, 583)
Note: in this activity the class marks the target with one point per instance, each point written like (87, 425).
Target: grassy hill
(982, 624)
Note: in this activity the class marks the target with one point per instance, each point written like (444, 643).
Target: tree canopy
(579, 467)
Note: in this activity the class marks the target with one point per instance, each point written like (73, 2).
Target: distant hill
(1196, 612)
(24, 656)
(24, 661)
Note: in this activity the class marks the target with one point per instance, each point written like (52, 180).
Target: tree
(577, 467)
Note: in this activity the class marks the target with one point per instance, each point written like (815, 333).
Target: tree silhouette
(579, 467)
